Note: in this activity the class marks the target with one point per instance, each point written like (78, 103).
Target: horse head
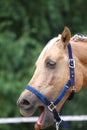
(51, 74)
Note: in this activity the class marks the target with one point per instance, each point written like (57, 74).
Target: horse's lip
(47, 119)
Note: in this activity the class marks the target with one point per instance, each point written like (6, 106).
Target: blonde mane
(77, 38)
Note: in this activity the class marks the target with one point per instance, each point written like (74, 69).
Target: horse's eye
(50, 64)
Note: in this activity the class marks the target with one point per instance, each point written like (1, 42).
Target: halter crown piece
(52, 104)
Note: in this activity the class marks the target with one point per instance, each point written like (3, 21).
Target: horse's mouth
(40, 119)
(45, 118)
(39, 123)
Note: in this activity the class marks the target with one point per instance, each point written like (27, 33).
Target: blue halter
(52, 104)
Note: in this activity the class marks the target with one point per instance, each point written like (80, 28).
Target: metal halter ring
(51, 107)
(57, 124)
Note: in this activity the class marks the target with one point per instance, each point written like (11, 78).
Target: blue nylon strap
(62, 93)
(71, 65)
(38, 94)
(47, 102)
(58, 119)
(70, 51)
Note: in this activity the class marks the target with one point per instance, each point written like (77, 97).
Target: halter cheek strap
(52, 104)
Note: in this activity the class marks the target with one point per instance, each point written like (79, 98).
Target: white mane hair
(49, 44)
(78, 37)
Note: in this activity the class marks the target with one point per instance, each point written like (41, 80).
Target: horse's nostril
(25, 102)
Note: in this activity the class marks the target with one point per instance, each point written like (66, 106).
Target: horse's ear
(65, 37)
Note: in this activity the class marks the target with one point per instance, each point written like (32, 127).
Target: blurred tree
(25, 27)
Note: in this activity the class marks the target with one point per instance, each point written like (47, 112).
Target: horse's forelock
(49, 44)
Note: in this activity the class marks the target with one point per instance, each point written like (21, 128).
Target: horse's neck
(79, 44)
(80, 52)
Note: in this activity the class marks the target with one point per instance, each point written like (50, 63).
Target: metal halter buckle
(71, 63)
(73, 88)
(51, 107)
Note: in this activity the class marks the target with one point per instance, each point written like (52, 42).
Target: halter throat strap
(52, 104)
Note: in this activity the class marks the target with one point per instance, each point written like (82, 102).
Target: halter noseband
(52, 104)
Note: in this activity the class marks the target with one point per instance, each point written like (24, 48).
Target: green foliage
(25, 26)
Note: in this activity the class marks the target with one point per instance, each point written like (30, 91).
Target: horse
(61, 71)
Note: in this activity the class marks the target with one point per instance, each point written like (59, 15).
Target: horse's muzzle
(23, 103)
